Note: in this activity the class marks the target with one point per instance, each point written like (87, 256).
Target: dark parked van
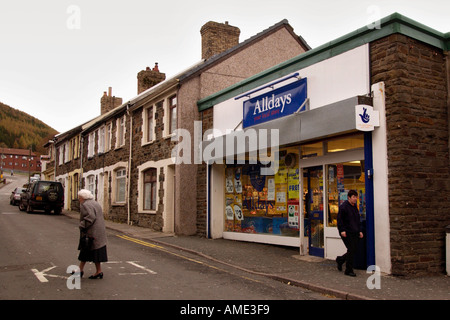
(43, 195)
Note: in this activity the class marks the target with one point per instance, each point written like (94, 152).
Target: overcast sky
(58, 56)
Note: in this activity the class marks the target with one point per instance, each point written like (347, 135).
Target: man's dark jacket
(348, 218)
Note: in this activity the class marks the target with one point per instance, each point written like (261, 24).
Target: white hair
(85, 194)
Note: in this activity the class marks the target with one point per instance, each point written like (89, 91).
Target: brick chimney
(108, 102)
(217, 38)
(149, 77)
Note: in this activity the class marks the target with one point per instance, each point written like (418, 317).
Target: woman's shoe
(97, 276)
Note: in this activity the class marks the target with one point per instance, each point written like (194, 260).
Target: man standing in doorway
(349, 226)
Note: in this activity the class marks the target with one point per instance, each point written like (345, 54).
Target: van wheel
(21, 207)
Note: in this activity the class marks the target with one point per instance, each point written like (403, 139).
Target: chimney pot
(149, 77)
(108, 102)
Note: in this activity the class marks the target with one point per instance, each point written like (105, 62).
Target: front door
(313, 190)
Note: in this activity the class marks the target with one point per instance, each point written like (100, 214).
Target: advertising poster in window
(229, 180)
(293, 179)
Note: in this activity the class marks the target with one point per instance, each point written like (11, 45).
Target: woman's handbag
(86, 242)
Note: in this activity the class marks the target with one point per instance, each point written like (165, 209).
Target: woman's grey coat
(92, 222)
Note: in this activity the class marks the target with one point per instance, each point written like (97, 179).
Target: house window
(91, 145)
(120, 185)
(150, 189)
(101, 140)
(150, 125)
(66, 152)
(91, 183)
(120, 132)
(172, 114)
(60, 155)
(108, 137)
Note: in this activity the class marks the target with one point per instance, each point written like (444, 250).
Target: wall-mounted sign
(275, 104)
(366, 118)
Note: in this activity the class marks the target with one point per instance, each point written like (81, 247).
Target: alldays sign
(275, 104)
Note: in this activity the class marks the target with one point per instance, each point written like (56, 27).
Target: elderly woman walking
(92, 225)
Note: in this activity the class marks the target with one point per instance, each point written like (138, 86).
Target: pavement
(286, 265)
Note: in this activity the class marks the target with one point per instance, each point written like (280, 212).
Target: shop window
(321, 148)
(312, 150)
(256, 203)
(150, 189)
(341, 178)
(346, 143)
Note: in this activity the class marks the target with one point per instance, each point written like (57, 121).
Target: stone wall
(160, 149)
(418, 151)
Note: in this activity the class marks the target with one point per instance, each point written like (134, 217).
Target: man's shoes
(350, 273)
(339, 263)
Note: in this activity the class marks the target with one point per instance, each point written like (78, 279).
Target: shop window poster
(229, 180)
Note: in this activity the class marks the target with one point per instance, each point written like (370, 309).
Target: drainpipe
(129, 165)
(80, 178)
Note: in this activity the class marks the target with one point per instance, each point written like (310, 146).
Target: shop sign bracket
(270, 85)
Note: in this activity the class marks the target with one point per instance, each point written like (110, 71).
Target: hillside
(20, 130)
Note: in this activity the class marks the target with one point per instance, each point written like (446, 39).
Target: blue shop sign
(275, 104)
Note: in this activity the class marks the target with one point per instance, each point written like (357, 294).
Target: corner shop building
(368, 111)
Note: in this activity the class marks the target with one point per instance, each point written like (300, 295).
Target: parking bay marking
(43, 275)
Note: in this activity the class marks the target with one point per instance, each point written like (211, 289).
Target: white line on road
(141, 267)
(40, 274)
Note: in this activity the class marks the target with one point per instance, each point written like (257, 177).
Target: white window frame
(149, 126)
(108, 136)
(120, 174)
(60, 153)
(167, 118)
(66, 152)
(121, 131)
(101, 140)
(91, 145)
(90, 183)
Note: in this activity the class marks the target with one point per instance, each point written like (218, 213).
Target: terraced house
(124, 156)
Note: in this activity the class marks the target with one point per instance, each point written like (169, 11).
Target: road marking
(41, 274)
(141, 267)
(132, 274)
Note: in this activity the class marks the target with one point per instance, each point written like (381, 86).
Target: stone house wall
(418, 150)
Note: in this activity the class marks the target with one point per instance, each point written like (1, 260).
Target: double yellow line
(154, 246)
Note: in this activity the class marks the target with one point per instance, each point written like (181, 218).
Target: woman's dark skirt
(97, 255)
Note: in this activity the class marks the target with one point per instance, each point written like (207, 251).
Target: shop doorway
(314, 209)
